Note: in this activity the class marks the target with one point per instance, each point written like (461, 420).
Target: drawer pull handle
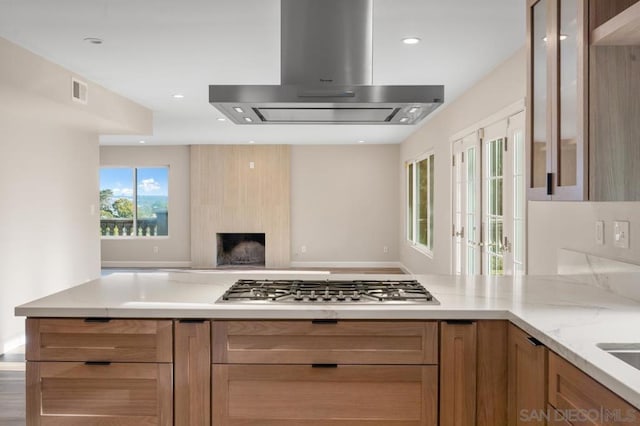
(97, 363)
(324, 365)
(96, 319)
(459, 322)
(191, 321)
(534, 341)
(324, 321)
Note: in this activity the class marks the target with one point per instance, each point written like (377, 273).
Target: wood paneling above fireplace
(227, 195)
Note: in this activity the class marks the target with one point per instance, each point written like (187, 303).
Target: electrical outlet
(385, 249)
(252, 165)
(303, 249)
(600, 232)
(621, 234)
(155, 249)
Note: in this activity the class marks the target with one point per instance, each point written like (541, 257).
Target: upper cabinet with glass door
(557, 131)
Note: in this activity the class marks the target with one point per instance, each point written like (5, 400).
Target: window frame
(412, 214)
(134, 173)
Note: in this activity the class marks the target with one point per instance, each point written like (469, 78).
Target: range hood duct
(326, 74)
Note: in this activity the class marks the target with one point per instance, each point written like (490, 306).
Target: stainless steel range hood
(326, 74)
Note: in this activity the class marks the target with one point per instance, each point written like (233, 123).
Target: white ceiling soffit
(154, 49)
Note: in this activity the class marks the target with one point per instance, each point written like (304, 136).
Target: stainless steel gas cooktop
(317, 291)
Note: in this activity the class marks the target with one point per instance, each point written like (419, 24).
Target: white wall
(345, 205)
(571, 225)
(49, 154)
(174, 250)
(48, 183)
(504, 86)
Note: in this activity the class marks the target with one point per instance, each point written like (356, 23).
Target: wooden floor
(12, 411)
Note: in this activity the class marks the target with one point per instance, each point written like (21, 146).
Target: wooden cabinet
(99, 339)
(458, 352)
(556, 418)
(557, 99)
(325, 372)
(304, 395)
(588, 402)
(192, 369)
(99, 372)
(614, 89)
(473, 373)
(89, 394)
(325, 341)
(527, 392)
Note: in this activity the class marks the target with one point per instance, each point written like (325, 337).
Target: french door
(489, 200)
(466, 205)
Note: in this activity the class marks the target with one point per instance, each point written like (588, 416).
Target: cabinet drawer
(76, 394)
(309, 342)
(298, 395)
(110, 340)
(572, 390)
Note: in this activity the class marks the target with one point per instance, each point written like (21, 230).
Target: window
(420, 202)
(133, 202)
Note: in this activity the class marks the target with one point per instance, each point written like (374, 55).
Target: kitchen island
(560, 314)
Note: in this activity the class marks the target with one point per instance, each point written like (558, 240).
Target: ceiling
(154, 49)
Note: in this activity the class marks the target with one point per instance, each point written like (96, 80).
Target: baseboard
(405, 269)
(145, 264)
(346, 265)
(11, 344)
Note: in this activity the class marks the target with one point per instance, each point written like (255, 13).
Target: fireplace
(236, 249)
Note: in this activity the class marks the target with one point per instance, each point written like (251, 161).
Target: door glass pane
(539, 89)
(116, 201)
(410, 202)
(470, 229)
(519, 203)
(494, 216)
(423, 176)
(152, 197)
(568, 92)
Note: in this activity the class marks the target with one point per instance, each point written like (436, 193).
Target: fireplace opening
(240, 249)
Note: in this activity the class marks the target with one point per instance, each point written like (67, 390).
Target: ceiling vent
(79, 91)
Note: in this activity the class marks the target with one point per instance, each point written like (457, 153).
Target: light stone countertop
(567, 315)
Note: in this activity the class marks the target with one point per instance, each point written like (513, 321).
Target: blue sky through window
(151, 181)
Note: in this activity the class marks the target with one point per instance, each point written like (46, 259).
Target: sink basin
(627, 352)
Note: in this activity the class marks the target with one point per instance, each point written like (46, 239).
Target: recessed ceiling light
(252, 141)
(360, 141)
(222, 119)
(142, 142)
(414, 110)
(248, 119)
(411, 40)
(404, 119)
(238, 110)
(178, 96)
(93, 40)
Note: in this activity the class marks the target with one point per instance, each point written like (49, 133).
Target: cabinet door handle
(97, 363)
(324, 321)
(534, 341)
(97, 319)
(191, 321)
(324, 365)
(549, 183)
(459, 322)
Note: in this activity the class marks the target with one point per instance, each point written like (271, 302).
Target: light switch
(621, 234)
(252, 165)
(600, 232)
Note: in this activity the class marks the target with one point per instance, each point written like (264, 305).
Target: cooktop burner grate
(310, 291)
